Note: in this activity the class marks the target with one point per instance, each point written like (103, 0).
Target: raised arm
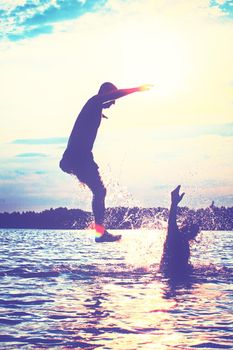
(176, 197)
(122, 92)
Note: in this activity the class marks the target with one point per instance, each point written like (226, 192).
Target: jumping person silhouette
(176, 250)
(78, 157)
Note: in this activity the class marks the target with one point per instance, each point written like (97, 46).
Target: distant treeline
(211, 218)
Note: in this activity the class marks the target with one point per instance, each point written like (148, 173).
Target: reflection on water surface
(61, 290)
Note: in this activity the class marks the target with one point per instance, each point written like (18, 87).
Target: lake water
(60, 290)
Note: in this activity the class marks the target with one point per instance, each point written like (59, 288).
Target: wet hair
(106, 87)
(190, 230)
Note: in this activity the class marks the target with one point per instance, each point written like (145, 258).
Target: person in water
(176, 250)
(78, 157)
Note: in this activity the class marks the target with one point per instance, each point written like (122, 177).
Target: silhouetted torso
(176, 252)
(85, 128)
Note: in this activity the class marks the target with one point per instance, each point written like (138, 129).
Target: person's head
(106, 88)
(190, 231)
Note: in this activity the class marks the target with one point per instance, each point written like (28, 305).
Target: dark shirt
(85, 128)
(83, 135)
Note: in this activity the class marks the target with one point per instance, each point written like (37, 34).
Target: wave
(200, 273)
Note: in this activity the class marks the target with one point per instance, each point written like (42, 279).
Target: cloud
(190, 131)
(63, 11)
(43, 141)
(27, 19)
(226, 6)
(32, 32)
(11, 5)
(31, 155)
(20, 174)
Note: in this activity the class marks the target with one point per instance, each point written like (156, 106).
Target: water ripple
(60, 290)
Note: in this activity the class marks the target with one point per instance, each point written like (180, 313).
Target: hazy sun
(159, 59)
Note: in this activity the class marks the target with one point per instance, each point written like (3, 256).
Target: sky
(54, 55)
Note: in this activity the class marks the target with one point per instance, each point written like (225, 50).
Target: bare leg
(91, 177)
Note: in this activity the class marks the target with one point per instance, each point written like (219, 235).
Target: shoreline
(119, 218)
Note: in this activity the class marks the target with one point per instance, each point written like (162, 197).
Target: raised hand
(145, 87)
(176, 197)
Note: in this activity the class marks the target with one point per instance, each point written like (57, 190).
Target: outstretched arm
(176, 197)
(122, 92)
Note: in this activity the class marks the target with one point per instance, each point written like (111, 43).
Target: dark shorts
(85, 169)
